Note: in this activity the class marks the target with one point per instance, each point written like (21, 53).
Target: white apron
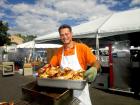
(73, 63)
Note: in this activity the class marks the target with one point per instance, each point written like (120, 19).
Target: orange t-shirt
(84, 55)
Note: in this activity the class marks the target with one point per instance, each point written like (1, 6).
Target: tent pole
(97, 37)
(33, 53)
(97, 45)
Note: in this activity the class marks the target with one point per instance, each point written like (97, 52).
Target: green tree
(29, 38)
(4, 36)
(26, 38)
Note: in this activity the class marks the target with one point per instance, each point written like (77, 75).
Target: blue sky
(40, 17)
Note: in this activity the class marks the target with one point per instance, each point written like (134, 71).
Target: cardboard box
(28, 71)
(27, 65)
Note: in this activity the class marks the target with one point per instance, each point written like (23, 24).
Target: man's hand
(91, 73)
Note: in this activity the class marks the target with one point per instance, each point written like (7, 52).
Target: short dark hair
(65, 26)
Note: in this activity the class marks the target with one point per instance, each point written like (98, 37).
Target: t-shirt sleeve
(90, 57)
(55, 58)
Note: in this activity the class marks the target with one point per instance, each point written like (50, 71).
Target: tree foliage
(29, 38)
(4, 36)
(26, 38)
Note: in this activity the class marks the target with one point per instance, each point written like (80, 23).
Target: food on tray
(49, 71)
(7, 103)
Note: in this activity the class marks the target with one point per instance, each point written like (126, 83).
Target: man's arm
(91, 73)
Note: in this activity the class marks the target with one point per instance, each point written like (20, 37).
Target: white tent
(114, 24)
(47, 45)
(89, 29)
(32, 44)
(48, 37)
(83, 30)
(29, 44)
(122, 22)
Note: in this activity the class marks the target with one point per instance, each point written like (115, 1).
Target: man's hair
(65, 26)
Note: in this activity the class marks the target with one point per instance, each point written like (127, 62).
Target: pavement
(10, 89)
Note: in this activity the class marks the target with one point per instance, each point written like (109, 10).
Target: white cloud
(135, 2)
(37, 25)
(2, 2)
(21, 8)
(2, 14)
(45, 16)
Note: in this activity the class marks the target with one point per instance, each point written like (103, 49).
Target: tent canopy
(29, 44)
(89, 29)
(32, 44)
(48, 37)
(82, 30)
(122, 22)
(114, 24)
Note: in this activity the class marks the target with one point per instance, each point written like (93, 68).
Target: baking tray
(46, 95)
(61, 83)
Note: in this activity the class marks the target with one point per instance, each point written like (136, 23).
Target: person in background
(76, 56)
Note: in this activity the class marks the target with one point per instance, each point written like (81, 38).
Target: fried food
(7, 103)
(58, 73)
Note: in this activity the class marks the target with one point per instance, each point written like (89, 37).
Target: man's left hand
(91, 73)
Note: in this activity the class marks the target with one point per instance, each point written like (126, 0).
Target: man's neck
(69, 46)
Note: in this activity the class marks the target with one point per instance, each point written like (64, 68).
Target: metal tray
(60, 83)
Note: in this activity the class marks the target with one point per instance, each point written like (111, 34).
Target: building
(16, 39)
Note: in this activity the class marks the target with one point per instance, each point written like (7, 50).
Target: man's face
(65, 35)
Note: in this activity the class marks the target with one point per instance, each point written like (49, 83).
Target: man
(75, 56)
